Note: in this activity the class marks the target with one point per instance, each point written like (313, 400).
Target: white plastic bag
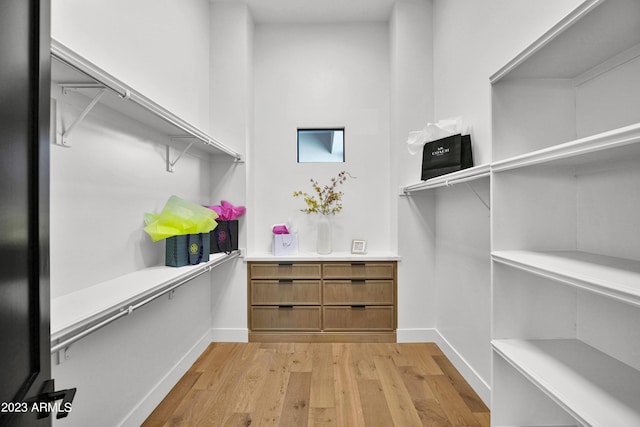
(434, 131)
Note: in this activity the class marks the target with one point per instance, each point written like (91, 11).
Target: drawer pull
(360, 307)
(358, 282)
(358, 263)
(288, 281)
(285, 264)
(288, 307)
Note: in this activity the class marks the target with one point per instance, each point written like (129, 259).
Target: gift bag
(446, 155)
(285, 244)
(187, 249)
(224, 238)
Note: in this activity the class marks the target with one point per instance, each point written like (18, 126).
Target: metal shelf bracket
(486, 205)
(63, 138)
(172, 163)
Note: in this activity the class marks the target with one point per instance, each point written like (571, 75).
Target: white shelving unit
(75, 315)
(72, 72)
(465, 175)
(565, 191)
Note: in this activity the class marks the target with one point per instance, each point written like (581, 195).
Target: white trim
(146, 406)
(466, 370)
(576, 15)
(229, 335)
(417, 335)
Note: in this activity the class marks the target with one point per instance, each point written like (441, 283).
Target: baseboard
(417, 335)
(327, 337)
(470, 375)
(140, 413)
(229, 335)
(466, 370)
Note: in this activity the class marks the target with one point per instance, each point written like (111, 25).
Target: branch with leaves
(326, 200)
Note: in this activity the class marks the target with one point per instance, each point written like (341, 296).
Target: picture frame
(358, 246)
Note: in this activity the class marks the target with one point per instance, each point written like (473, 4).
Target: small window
(321, 145)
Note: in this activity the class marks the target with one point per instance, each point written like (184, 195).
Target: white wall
(321, 76)
(412, 107)
(472, 40)
(102, 186)
(231, 119)
(159, 47)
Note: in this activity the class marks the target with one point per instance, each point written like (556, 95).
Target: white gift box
(285, 244)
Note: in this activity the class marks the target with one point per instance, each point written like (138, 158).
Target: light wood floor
(321, 384)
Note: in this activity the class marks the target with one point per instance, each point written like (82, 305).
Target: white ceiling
(317, 11)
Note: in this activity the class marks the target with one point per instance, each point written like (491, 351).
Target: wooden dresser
(323, 301)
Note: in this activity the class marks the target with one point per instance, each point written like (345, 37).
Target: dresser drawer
(365, 292)
(285, 271)
(276, 292)
(362, 318)
(359, 270)
(289, 318)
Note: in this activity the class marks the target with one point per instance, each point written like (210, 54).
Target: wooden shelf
(611, 277)
(75, 313)
(594, 388)
(619, 145)
(70, 69)
(465, 175)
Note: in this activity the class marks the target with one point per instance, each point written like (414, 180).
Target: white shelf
(75, 313)
(594, 388)
(614, 146)
(311, 256)
(465, 175)
(594, 32)
(69, 68)
(611, 277)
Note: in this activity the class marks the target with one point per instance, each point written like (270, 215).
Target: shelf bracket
(486, 205)
(64, 137)
(170, 163)
(63, 354)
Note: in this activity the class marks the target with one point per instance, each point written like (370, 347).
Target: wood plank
(214, 368)
(295, 409)
(252, 382)
(400, 405)
(423, 398)
(320, 384)
(224, 392)
(363, 364)
(484, 418)
(374, 403)
(422, 356)
(322, 390)
(470, 397)
(269, 407)
(431, 413)
(348, 405)
(452, 404)
(171, 402)
(322, 417)
(301, 358)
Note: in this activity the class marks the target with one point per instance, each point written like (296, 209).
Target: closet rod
(128, 308)
(443, 183)
(78, 63)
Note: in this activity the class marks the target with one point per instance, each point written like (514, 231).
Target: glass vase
(323, 242)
